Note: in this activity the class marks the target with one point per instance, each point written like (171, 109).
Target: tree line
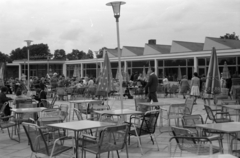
(42, 52)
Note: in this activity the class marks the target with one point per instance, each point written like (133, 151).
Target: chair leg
(127, 150)
(117, 153)
(139, 142)
(155, 140)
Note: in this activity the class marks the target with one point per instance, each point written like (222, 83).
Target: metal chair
(189, 106)
(225, 117)
(175, 112)
(186, 141)
(146, 126)
(112, 138)
(189, 122)
(41, 143)
(7, 122)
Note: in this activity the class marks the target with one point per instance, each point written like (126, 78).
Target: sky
(90, 24)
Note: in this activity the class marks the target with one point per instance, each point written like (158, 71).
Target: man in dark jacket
(3, 99)
(152, 85)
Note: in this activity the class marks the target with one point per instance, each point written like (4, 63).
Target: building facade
(189, 57)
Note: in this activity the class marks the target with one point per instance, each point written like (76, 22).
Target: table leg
(76, 142)
(229, 143)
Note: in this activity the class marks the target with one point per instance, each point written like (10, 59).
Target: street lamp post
(28, 44)
(116, 10)
(48, 64)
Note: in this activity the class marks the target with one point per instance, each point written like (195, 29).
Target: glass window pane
(201, 61)
(160, 63)
(171, 73)
(160, 73)
(175, 62)
(190, 62)
(129, 63)
(229, 60)
(238, 61)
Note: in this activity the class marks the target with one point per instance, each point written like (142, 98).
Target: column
(64, 70)
(156, 67)
(195, 68)
(125, 66)
(19, 71)
(81, 70)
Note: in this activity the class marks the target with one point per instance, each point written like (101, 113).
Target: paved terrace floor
(13, 149)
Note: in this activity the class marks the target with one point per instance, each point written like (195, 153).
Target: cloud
(72, 34)
(39, 33)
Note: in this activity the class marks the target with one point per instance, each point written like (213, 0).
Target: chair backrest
(78, 114)
(35, 137)
(176, 110)
(209, 112)
(182, 132)
(51, 112)
(191, 120)
(53, 100)
(43, 121)
(149, 121)
(189, 106)
(24, 103)
(140, 108)
(113, 138)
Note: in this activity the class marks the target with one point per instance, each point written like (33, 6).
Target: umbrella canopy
(106, 83)
(179, 74)
(213, 85)
(225, 73)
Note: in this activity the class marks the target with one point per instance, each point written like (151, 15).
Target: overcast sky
(89, 24)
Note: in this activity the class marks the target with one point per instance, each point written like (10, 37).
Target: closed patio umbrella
(105, 84)
(213, 85)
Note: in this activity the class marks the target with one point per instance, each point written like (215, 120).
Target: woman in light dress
(184, 86)
(195, 84)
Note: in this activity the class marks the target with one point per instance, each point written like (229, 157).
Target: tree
(37, 52)
(90, 54)
(4, 57)
(230, 36)
(101, 51)
(59, 54)
(76, 55)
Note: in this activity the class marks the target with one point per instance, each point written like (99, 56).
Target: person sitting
(3, 99)
(42, 95)
(19, 96)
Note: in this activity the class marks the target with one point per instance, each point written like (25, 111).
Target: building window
(201, 62)
(175, 62)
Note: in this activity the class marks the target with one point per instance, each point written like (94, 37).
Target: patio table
(78, 126)
(79, 102)
(228, 128)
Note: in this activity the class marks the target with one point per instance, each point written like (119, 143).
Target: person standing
(184, 86)
(195, 84)
(166, 85)
(152, 85)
